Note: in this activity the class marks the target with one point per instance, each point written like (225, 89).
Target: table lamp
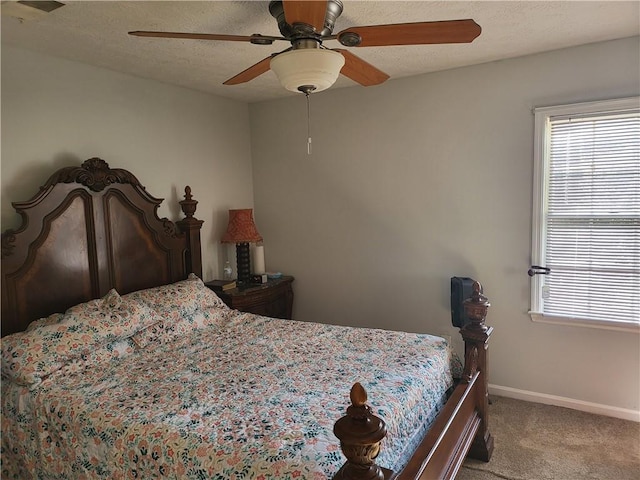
(241, 231)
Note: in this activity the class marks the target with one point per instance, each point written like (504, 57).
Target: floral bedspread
(246, 398)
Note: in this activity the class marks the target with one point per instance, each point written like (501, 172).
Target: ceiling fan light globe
(317, 68)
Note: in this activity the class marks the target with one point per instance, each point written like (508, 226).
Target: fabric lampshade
(241, 228)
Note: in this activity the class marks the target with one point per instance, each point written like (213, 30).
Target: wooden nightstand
(271, 299)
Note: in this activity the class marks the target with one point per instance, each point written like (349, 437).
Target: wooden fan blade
(250, 73)
(311, 12)
(420, 33)
(256, 38)
(360, 71)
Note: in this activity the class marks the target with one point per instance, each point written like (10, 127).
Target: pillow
(108, 319)
(180, 308)
(41, 322)
(28, 357)
(178, 300)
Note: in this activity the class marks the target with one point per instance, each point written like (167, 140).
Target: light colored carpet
(543, 442)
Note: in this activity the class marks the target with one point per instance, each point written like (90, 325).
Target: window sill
(631, 327)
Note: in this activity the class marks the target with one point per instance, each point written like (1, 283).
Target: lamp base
(243, 260)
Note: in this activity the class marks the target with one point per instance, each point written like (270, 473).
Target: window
(586, 214)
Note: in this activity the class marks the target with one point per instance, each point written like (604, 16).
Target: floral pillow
(176, 306)
(41, 322)
(180, 299)
(28, 357)
(108, 319)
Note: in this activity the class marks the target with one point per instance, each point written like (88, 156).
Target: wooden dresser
(271, 299)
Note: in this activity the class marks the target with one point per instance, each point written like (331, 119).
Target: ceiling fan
(307, 65)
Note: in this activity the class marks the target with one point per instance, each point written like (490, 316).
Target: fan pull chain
(307, 89)
(308, 124)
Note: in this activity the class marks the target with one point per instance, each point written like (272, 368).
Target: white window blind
(588, 218)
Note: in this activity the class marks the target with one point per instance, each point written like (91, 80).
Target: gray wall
(58, 113)
(428, 177)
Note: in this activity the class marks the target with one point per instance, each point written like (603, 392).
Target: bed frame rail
(460, 429)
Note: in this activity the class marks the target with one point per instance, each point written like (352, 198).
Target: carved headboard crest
(94, 174)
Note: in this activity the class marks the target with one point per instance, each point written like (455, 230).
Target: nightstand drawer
(271, 299)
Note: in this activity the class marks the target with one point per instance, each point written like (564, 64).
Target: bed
(118, 362)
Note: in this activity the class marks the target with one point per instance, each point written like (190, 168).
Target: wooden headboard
(91, 228)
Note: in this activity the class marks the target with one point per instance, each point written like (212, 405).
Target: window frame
(543, 116)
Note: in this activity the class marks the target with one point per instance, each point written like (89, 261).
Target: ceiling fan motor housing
(291, 32)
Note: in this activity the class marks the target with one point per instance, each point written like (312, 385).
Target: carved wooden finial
(360, 433)
(476, 307)
(188, 205)
(358, 395)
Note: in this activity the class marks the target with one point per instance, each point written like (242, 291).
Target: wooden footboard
(460, 429)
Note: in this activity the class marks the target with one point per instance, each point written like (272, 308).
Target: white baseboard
(597, 408)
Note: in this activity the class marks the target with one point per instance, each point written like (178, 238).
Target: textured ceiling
(95, 32)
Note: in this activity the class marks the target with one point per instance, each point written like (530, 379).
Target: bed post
(476, 337)
(360, 433)
(461, 428)
(190, 226)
